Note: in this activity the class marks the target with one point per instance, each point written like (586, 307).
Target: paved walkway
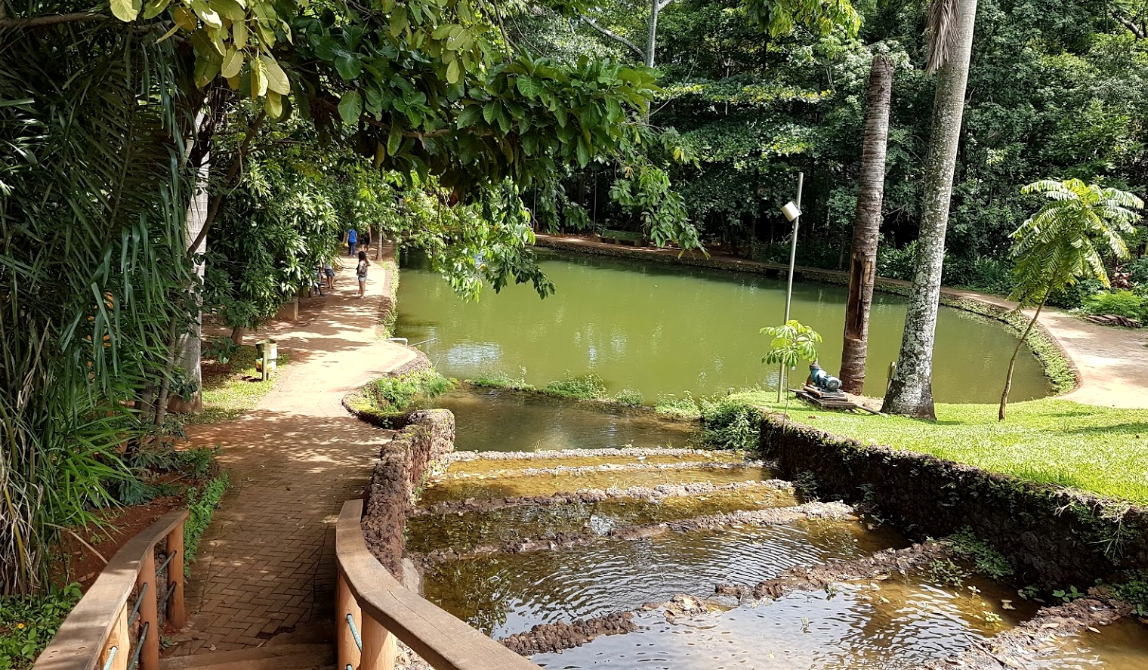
(1112, 363)
(267, 563)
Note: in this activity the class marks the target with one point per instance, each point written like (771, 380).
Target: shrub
(585, 387)
(677, 408)
(1138, 274)
(629, 397)
(896, 263)
(27, 624)
(1120, 303)
(730, 424)
(201, 506)
(501, 380)
(394, 394)
(984, 274)
(1073, 296)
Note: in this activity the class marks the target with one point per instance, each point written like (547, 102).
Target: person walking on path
(367, 239)
(361, 272)
(352, 242)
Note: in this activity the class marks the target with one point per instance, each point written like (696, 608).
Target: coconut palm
(863, 258)
(950, 26)
(1065, 241)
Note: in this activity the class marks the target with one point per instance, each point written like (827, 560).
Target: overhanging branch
(612, 35)
(52, 20)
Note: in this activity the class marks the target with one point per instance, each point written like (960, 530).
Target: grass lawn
(232, 388)
(1096, 449)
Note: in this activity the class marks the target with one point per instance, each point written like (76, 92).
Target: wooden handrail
(384, 609)
(100, 620)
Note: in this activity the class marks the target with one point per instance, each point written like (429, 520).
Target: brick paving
(266, 564)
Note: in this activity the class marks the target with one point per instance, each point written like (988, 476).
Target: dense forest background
(1056, 90)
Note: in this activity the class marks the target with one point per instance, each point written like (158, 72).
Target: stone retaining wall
(418, 450)
(1052, 537)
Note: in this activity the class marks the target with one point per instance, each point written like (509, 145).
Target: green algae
(508, 467)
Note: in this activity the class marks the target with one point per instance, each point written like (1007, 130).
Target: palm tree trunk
(1015, 352)
(189, 345)
(911, 390)
(863, 263)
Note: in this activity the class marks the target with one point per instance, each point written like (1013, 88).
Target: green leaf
(348, 66)
(394, 140)
(452, 72)
(258, 79)
(583, 152)
(232, 63)
(469, 116)
(229, 9)
(490, 111)
(277, 80)
(155, 8)
(351, 107)
(239, 34)
(126, 10)
(529, 86)
(398, 21)
(273, 105)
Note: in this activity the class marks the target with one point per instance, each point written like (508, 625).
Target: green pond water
(492, 420)
(670, 329)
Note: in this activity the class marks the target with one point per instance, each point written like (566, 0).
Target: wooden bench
(622, 236)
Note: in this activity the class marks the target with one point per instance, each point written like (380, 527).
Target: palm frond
(942, 29)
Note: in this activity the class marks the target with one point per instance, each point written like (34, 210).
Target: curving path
(266, 565)
(1111, 363)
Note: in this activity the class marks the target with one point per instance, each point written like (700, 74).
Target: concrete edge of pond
(1059, 367)
(1053, 537)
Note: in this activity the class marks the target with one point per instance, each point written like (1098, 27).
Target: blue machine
(822, 380)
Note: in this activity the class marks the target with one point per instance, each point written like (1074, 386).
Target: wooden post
(120, 640)
(347, 651)
(378, 646)
(149, 655)
(176, 613)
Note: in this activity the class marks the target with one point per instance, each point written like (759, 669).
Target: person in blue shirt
(352, 242)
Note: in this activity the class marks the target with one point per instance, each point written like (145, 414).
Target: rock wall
(417, 451)
(1053, 538)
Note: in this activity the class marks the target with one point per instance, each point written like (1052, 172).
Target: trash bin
(266, 351)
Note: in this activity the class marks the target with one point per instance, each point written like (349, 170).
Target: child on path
(361, 272)
(352, 242)
(329, 273)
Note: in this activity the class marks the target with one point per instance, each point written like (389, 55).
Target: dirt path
(267, 564)
(1111, 363)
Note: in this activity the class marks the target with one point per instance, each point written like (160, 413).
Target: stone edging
(1058, 366)
(1053, 537)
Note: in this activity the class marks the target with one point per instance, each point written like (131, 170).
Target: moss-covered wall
(418, 450)
(1053, 538)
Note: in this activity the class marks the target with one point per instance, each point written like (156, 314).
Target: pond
(662, 329)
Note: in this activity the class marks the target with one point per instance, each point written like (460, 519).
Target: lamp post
(792, 213)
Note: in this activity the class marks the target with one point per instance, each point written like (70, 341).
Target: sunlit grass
(228, 394)
(1097, 449)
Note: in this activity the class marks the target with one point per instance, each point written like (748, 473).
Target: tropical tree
(1065, 241)
(792, 343)
(950, 27)
(866, 226)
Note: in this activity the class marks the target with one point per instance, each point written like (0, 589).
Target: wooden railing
(373, 609)
(99, 632)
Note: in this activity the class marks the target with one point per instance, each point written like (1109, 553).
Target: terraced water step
(550, 482)
(503, 594)
(899, 622)
(462, 526)
(502, 464)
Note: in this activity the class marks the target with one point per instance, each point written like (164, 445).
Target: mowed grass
(1096, 449)
(230, 390)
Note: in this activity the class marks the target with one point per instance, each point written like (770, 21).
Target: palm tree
(950, 46)
(863, 259)
(1065, 241)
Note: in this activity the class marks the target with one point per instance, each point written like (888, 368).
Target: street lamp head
(790, 211)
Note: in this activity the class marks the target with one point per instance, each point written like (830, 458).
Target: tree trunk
(1015, 352)
(866, 227)
(911, 391)
(237, 334)
(652, 36)
(189, 345)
